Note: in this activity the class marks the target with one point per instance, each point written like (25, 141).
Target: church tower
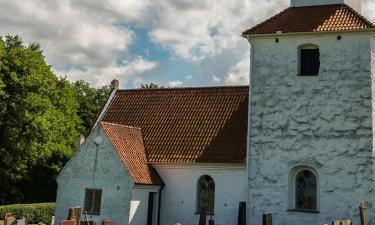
(311, 114)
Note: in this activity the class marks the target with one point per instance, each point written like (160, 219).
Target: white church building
(298, 142)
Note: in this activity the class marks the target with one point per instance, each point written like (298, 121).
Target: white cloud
(124, 72)
(215, 78)
(175, 83)
(239, 74)
(76, 35)
(203, 28)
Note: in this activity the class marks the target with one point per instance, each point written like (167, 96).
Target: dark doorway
(150, 207)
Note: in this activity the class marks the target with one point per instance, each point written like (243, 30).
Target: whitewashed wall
(139, 205)
(178, 204)
(322, 121)
(98, 168)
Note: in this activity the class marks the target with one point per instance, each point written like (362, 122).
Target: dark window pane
(206, 194)
(306, 193)
(92, 202)
(310, 62)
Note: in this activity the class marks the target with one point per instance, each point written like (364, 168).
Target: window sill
(303, 210)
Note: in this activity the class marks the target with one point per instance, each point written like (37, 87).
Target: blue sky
(169, 42)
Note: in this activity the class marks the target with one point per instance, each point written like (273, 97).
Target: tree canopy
(41, 116)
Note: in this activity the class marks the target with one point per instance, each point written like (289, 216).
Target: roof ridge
(267, 20)
(120, 125)
(310, 19)
(186, 88)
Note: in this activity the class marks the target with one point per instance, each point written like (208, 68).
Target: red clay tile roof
(186, 125)
(128, 143)
(320, 18)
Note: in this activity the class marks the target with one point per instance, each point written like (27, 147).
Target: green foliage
(150, 86)
(90, 100)
(38, 123)
(34, 213)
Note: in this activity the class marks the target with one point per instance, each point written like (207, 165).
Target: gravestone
(7, 215)
(21, 221)
(242, 213)
(363, 213)
(68, 222)
(108, 222)
(1, 222)
(10, 221)
(267, 219)
(75, 214)
(53, 220)
(342, 222)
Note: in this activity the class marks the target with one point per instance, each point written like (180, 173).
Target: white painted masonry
(95, 167)
(139, 204)
(355, 4)
(178, 199)
(323, 121)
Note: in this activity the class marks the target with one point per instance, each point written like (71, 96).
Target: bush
(34, 213)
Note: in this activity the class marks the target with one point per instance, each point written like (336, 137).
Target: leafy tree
(151, 86)
(38, 123)
(90, 100)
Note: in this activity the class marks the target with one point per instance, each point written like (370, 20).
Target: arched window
(303, 189)
(206, 194)
(308, 60)
(306, 193)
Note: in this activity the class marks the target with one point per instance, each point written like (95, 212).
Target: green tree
(90, 100)
(38, 123)
(150, 86)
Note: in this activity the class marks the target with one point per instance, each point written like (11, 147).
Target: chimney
(115, 84)
(79, 141)
(355, 4)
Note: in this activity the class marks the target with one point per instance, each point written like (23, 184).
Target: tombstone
(1, 222)
(342, 222)
(242, 213)
(7, 215)
(363, 214)
(108, 222)
(267, 219)
(68, 222)
(52, 220)
(21, 221)
(10, 221)
(75, 214)
(89, 222)
(202, 216)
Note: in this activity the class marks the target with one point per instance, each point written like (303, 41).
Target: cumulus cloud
(77, 35)
(239, 74)
(175, 83)
(216, 78)
(126, 71)
(197, 29)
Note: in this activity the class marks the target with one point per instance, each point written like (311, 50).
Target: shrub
(34, 213)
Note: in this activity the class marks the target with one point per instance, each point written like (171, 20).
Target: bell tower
(355, 4)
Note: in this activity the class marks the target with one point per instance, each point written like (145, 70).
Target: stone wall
(322, 121)
(95, 167)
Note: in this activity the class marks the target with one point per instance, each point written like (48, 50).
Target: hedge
(34, 213)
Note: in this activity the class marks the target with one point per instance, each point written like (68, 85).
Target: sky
(174, 43)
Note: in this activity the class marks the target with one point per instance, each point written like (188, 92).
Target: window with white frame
(303, 189)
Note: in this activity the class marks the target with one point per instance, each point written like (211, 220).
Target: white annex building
(299, 142)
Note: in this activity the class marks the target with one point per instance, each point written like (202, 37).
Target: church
(298, 142)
